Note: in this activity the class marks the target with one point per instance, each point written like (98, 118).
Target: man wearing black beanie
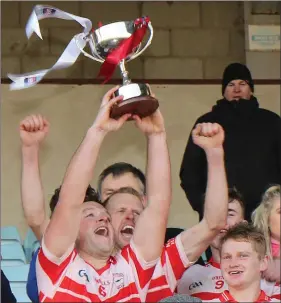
(237, 71)
(252, 144)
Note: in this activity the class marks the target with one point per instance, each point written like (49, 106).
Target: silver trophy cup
(137, 96)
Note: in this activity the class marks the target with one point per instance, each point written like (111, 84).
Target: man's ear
(264, 263)
(144, 201)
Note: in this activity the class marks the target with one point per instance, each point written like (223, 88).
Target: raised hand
(153, 124)
(103, 122)
(33, 130)
(208, 136)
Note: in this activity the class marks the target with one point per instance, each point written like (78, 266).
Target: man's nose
(103, 218)
(233, 263)
(237, 88)
(129, 215)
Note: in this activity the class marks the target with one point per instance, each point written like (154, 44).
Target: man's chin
(124, 241)
(235, 284)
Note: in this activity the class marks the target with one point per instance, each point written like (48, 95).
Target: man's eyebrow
(225, 253)
(232, 210)
(108, 190)
(84, 210)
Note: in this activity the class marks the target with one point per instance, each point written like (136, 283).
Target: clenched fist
(208, 136)
(33, 130)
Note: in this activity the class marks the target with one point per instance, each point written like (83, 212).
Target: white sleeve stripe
(129, 298)
(182, 253)
(157, 288)
(141, 291)
(144, 264)
(74, 294)
(170, 276)
(45, 285)
(54, 259)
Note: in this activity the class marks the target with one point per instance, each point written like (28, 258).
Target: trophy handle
(147, 43)
(98, 58)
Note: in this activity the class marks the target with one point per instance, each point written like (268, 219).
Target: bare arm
(152, 223)
(193, 175)
(63, 228)
(32, 192)
(196, 239)
(33, 130)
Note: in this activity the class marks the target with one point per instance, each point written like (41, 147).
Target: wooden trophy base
(142, 106)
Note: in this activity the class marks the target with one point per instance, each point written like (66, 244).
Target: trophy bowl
(103, 42)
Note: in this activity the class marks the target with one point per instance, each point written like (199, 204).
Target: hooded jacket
(252, 153)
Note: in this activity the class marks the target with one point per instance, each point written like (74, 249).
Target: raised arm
(150, 229)
(63, 228)
(33, 131)
(210, 137)
(193, 175)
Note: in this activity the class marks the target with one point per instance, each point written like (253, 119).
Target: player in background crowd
(243, 259)
(206, 282)
(266, 217)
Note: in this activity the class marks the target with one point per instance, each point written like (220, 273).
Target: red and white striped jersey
(207, 283)
(168, 271)
(125, 278)
(226, 297)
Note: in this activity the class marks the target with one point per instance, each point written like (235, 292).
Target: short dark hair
(90, 196)
(246, 232)
(235, 195)
(119, 169)
(123, 190)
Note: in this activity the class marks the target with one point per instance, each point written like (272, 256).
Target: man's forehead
(125, 200)
(234, 205)
(233, 245)
(238, 81)
(91, 205)
(110, 180)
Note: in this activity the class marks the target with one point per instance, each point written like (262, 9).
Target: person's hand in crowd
(103, 121)
(272, 273)
(33, 130)
(208, 136)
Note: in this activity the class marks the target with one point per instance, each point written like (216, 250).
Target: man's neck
(97, 262)
(215, 254)
(246, 293)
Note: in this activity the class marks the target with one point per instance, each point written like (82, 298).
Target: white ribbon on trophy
(67, 58)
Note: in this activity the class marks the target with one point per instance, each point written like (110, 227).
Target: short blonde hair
(260, 216)
(123, 190)
(245, 232)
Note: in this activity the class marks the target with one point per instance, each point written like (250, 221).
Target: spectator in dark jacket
(252, 143)
(7, 295)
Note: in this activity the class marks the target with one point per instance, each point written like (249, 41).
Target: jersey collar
(213, 263)
(226, 297)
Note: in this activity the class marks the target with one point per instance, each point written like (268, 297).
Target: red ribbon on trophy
(124, 49)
